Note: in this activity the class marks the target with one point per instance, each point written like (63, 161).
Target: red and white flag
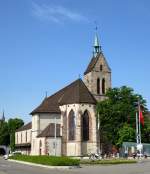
(141, 118)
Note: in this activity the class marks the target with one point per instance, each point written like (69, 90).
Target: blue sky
(46, 44)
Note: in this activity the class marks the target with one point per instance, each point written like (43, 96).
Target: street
(7, 167)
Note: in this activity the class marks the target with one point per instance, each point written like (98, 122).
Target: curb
(44, 166)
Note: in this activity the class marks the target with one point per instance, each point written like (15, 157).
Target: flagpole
(140, 145)
(139, 123)
(137, 130)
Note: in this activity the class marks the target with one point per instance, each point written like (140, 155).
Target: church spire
(97, 47)
(3, 116)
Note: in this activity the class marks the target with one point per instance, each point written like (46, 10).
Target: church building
(65, 123)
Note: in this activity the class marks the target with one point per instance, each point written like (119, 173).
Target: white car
(5, 157)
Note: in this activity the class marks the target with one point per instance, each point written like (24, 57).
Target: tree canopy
(13, 125)
(117, 115)
(7, 131)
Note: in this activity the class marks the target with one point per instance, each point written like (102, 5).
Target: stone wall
(23, 137)
(40, 122)
(75, 147)
(90, 79)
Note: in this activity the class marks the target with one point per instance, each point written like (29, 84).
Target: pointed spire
(97, 47)
(3, 116)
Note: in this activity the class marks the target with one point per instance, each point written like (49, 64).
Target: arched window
(71, 125)
(101, 67)
(98, 86)
(85, 126)
(103, 86)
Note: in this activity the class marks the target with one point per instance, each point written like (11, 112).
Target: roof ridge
(75, 92)
(89, 92)
(62, 89)
(63, 95)
(92, 65)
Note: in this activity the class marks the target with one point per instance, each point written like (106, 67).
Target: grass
(114, 161)
(66, 161)
(47, 160)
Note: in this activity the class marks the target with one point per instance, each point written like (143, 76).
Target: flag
(141, 118)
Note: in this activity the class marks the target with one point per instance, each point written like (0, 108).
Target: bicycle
(95, 156)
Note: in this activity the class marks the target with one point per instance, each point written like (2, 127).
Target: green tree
(13, 125)
(118, 109)
(126, 133)
(4, 134)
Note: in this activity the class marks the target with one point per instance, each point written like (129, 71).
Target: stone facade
(72, 112)
(39, 123)
(23, 141)
(101, 71)
(78, 147)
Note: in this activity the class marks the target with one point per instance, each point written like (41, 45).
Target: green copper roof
(97, 47)
(96, 41)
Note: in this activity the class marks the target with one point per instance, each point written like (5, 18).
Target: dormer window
(101, 67)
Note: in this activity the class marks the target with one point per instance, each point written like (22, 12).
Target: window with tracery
(71, 125)
(85, 126)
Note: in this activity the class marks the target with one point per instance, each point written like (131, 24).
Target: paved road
(7, 167)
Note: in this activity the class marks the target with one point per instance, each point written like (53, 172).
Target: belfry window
(85, 126)
(98, 86)
(71, 125)
(103, 86)
(101, 67)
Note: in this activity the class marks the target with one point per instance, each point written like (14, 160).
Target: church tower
(97, 76)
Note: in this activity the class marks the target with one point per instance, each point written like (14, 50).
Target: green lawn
(47, 160)
(66, 161)
(114, 161)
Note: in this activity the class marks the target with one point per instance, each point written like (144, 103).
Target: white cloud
(57, 14)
